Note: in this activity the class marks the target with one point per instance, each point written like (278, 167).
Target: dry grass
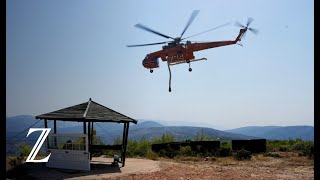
(259, 167)
(227, 161)
(300, 161)
(261, 157)
(194, 159)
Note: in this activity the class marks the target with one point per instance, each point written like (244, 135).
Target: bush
(168, 137)
(299, 146)
(152, 155)
(283, 148)
(25, 149)
(309, 150)
(223, 152)
(186, 151)
(170, 153)
(16, 161)
(162, 153)
(242, 155)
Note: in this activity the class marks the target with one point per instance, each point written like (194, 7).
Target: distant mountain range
(108, 132)
(277, 132)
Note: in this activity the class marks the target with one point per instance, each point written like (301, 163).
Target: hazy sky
(61, 53)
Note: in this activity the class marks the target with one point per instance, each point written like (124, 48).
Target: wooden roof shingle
(87, 112)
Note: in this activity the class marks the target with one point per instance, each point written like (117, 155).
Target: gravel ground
(227, 168)
(259, 167)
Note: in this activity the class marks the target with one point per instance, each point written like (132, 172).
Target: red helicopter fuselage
(176, 53)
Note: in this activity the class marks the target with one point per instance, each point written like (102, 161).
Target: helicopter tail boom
(241, 33)
(208, 45)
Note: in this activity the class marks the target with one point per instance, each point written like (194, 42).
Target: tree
(200, 136)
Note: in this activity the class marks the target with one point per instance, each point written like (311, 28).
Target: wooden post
(125, 143)
(92, 133)
(89, 140)
(54, 126)
(55, 132)
(127, 134)
(84, 127)
(46, 126)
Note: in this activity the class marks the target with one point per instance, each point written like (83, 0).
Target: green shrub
(168, 137)
(283, 148)
(309, 149)
(242, 155)
(25, 149)
(162, 153)
(299, 146)
(223, 152)
(185, 151)
(15, 161)
(226, 144)
(170, 153)
(152, 155)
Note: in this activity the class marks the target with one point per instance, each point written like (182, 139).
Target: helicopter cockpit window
(156, 61)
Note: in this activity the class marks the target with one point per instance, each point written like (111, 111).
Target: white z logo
(37, 146)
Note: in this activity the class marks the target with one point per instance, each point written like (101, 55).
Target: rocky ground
(227, 168)
(259, 167)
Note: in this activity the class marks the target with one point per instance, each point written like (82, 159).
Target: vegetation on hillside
(142, 148)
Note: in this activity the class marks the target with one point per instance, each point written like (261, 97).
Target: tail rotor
(249, 21)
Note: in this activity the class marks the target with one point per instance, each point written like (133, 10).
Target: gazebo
(77, 154)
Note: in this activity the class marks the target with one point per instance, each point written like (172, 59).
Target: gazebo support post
(92, 133)
(89, 147)
(55, 132)
(46, 126)
(127, 133)
(124, 142)
(84, 127)
(54, 126)
(123, 136)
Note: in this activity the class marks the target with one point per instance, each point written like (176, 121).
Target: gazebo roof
(87, 112)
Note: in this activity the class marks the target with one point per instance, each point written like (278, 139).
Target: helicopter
(178, 51)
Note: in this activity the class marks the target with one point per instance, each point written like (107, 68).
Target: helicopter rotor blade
(197, 41)
(137, 45)
(193, 15)
(150, 30)
(240, 25)
(249, 21)
(255, 31)
(208, 30)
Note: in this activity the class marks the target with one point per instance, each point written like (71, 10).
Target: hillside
(108, 132)
(183, 133)
(277, 132)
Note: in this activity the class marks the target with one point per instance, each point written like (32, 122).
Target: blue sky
(61, 53)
